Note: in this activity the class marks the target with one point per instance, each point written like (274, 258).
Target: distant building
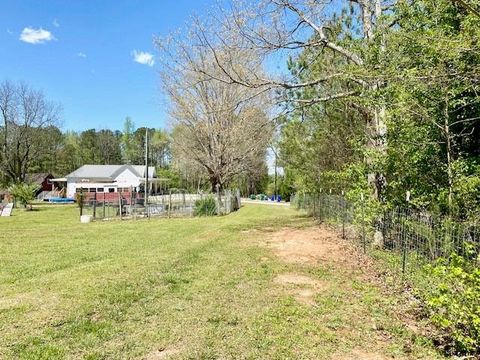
(104, 179)
(42, 180)
(47, 187)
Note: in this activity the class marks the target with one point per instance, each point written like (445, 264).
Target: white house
(109, 179)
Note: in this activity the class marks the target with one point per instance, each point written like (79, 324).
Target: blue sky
(81, 54)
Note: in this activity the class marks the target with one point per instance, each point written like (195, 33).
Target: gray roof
(109, 172)
(37, 178)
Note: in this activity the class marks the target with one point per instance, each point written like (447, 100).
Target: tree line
(32, 142)
(380, 97)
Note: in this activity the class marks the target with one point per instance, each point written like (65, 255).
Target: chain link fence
(174, 203)
(406, 238)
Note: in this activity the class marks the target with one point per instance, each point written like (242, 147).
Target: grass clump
(205, 207)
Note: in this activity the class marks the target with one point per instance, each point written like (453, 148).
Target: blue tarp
(61, 200)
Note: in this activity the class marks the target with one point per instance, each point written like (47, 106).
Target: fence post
(80, 202)
(169, 202)
(104, 203)
(404, 236)
(314, 207)
(133, 202)
(95, 205)
(145, 202)
(163, 200)
(404, 245)
(120, 210)
(184, 203)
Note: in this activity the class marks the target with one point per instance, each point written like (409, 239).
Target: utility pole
(146, 170)
(275, 181)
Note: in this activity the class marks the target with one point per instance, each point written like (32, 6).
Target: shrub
(79, 198)
(454, 305)
(24, 194)
(205, 207)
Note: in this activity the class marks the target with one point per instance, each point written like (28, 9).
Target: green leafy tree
(129, 145)
(431, 68)
(108, 147)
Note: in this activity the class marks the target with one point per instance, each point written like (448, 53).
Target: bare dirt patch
(296, 279)
(319, 246)
(303, 288)
(311, 246)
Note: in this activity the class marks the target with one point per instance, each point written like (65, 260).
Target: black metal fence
(174, 203)
(407, 238)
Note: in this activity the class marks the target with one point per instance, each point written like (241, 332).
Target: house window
(99, 189)
(92, 190)
(110, 190)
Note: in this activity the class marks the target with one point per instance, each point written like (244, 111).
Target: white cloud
(56, 23)
(142, 57)
(36, 36)
(82, 55)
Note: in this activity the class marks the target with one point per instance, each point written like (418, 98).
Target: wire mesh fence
(174, 203)
(407, 238)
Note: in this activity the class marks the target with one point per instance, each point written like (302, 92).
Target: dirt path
(312, 246)
(320, 248)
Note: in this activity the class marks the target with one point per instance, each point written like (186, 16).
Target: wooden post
(169, 202)
(104, 203)
(120, 203)
(95, 204)
(80, 199)
(163, 200)
(184, 202)
(134, 205)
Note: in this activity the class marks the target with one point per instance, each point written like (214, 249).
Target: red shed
(42, 180)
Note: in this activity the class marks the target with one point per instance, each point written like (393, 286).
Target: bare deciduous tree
(24, 113)
(221, 126)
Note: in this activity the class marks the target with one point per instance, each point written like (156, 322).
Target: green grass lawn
(196, 288)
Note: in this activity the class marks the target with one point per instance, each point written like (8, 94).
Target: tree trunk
(450, 159)
(378, 179)
(216, 183)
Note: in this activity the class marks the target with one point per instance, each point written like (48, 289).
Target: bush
(454, 305)
(24, 194)
(205, 207)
